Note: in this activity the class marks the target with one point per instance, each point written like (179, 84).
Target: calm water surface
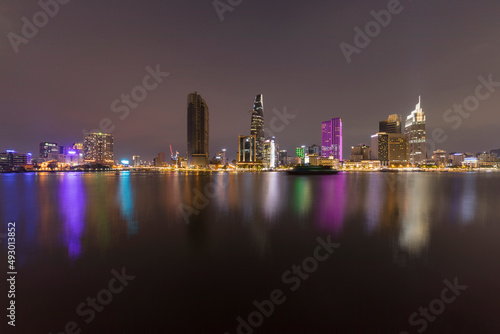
(204, 247)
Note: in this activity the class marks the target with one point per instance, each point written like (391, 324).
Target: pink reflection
(72, 204)
(332, 203)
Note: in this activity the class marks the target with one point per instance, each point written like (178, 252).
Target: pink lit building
(331, 139)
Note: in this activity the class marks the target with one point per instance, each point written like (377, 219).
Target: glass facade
(98, 148)
(331, 139)
(197, 130)
(257, 124)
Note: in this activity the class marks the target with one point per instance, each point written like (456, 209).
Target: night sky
(66, 77)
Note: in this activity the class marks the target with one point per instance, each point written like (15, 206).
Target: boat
(312, 170)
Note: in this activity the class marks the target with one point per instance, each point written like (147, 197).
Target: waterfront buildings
(380, 147)
(456, 159)
(98, 148)
(221, 157)
(440, 158)
(283, 157)
(300, 152)
(391, 149)
(416, 133)
(136, 160)
(257, 124)
(160, 160)
(361, 152)
(331, 139)
(197, 131)
(398, 150)
(48, 150)
(247, 151)
(270, 153)
(11, 159)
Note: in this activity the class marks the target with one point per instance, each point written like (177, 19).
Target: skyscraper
(415, 131)
(380, 147)
(247, 151)
(197, 130)
(394, 124)
(98, 148)
(271, 153)
(331, 139)
(398, 149)
(257, 125)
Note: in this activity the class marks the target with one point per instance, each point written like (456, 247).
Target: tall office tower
(283, 157)
(271, 153)
(98, 148)
(49, 150)
(197, 130)
(257, 125)
(415, 131)
(247, 150)
(161, 160)
(331, 139)
(380, 147)
(394, 124)
(398, 149)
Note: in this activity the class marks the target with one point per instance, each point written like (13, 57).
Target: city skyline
(416, 120)
(61, 97)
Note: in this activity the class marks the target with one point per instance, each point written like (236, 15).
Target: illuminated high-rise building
(301, 152)
(49, 150)
(98, 148)
(271, 153)
(257, 124)
(283, 157)
(390, 149)
(380, 148)
(331, 139)
(398, 149)
(197, 131)
(247, 151)
(415, 131)
(394, 124)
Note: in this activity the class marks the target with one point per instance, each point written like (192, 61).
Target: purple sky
(66, 77)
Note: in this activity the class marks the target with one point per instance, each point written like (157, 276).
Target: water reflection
(59, 211)
(126, 202)
(468, 201)
(302, 195)
(333, 200)
(414, 234)
(72, 206)
(373, 203)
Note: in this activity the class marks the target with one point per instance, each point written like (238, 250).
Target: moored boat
(313, 170)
